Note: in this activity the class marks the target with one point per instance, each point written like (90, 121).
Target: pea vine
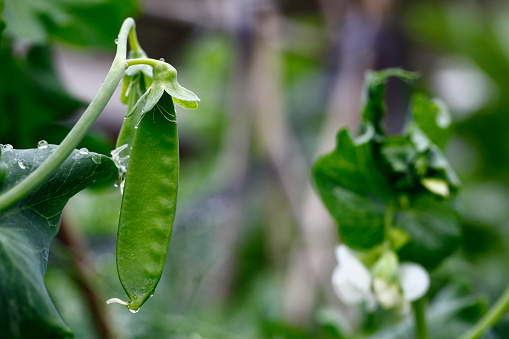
(393, 200)
(391, 196)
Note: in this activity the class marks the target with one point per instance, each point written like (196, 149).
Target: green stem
(421, 330)
(388, 221)
(490, 318)
(37, 177)
(144, 61)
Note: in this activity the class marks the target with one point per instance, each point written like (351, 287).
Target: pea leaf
(432, 117)
(408, 172)
(81, 22)
(26, 230)
(352, 180)
(32, 98)
(344, 180)
(433, 229)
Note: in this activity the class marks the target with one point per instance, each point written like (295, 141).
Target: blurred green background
(253, 248)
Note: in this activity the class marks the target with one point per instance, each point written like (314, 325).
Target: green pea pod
(148, 203)
(137, 87)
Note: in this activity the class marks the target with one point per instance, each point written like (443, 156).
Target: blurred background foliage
(252, 250)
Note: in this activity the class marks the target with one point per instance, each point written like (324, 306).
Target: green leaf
(414, 162)
(432, 117)
(433, 229)
(32, 98)
(374, 108)
(364, 175)
(349, 180)
(352, 180)
(26, 230)
(81, 22)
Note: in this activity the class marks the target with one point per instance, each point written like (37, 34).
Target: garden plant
(393, 199)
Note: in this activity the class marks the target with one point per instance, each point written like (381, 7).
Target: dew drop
(161, 59)
(22, 164)
(136, 126)
(83, 151)
(115, 184)
(134, 311)
(143, 289)
(43, 144)
(132, 256)
(7, 147)
(116, 41)
(96, 158)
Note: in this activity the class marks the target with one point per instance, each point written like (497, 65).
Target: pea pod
(135, 84)
(148, 203)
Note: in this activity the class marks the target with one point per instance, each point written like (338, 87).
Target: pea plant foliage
(35, 185)
(393, 200)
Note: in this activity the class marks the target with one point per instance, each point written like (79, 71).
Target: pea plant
(36, 183)
(393, 200)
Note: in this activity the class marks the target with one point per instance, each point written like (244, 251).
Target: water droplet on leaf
(7, 147)
(161, 59)
(134, 311)
(83, 151)
(116, 41)
(96, 158)
(43, 144)
(22, 164)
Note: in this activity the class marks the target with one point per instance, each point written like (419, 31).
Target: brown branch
(84, 276)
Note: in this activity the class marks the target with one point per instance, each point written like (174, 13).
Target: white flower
(393, 286)
(351, 280)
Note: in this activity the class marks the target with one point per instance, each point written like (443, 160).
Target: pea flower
(165, 80)
(390, 284)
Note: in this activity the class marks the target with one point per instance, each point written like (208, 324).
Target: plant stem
(421, 330)
(490, 318)
(388, 221)
(144, 61)
(37, 177)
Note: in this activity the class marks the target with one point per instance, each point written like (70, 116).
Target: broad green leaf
(348, 180)
(32, 99)
(433, 229)
(26, 230)
(83, 23)
(365, 175)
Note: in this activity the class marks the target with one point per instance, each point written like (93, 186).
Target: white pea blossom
(392, 285)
